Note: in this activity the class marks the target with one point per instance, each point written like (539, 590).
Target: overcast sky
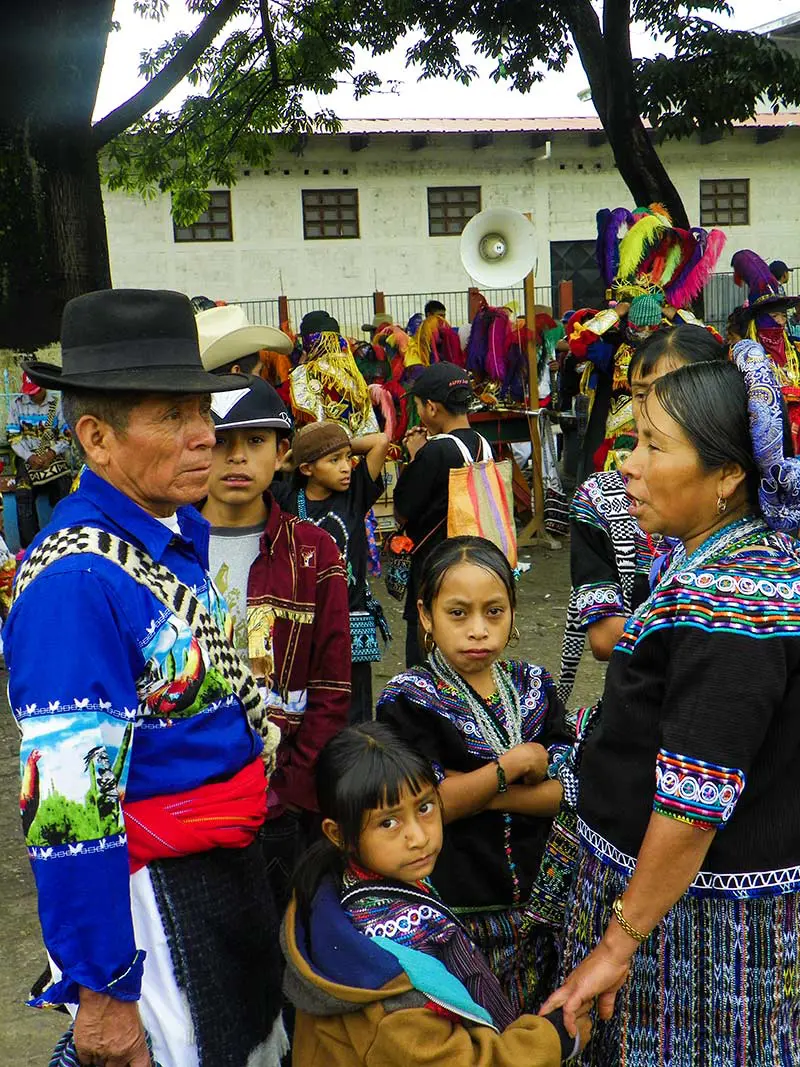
(556, 95)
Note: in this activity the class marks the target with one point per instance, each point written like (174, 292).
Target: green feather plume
(634, 245)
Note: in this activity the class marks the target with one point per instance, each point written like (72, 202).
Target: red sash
(219, 815)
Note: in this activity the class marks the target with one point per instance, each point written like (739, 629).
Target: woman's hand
(528, 761)
(600, 976)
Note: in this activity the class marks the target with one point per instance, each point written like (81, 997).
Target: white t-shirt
(231, 552)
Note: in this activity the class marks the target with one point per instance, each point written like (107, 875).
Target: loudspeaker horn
(498, 247)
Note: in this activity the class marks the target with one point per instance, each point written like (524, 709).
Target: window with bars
(215, 224)
(725, 203)
(451, 207)
(330, 214)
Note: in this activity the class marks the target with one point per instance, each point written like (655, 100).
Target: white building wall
(394, 253)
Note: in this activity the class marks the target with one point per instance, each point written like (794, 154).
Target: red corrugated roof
(520, 125)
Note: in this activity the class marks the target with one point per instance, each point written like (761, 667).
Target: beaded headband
(779, 490)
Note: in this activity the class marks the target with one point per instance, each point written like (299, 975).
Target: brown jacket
(357, 1006)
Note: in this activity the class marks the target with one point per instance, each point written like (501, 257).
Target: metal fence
(721, 295)
(260, 312)
(351, 312)
(401, 306)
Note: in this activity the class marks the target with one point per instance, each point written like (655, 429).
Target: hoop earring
(513, 637)
(722, 505)
(428, 643)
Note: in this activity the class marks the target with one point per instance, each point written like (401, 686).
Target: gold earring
(513, 637)
(722, 505)
(428, 643)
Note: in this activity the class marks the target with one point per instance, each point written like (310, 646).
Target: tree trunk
(52, 232)
(52, 224)
(607, 60)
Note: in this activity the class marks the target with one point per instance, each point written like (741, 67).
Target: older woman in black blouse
(684, 920)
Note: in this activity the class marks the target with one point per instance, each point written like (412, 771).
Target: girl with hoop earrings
(492, 728)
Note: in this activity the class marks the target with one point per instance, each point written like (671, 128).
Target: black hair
(363, 767)
(739, 319)
(465, 549)
(246, 364)
(434, 307)
(681, 344)
(709, 402)
(456, 407)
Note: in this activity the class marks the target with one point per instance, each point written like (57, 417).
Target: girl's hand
(528, 760)
(599, 977)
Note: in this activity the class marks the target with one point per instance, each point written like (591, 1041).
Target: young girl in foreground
(380, 971)
(486, 724)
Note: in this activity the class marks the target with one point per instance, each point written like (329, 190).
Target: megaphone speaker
(498, 247)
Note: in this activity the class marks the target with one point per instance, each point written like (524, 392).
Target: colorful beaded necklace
(509, 700)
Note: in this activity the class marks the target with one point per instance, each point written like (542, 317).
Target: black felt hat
(318, 322)
(131, 340)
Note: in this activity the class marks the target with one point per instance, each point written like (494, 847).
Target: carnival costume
(328, 386)
(765, 296)
(647, 262)
(486, 869)
(700, 703)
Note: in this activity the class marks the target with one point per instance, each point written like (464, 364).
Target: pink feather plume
(691, 285)
(381, 398)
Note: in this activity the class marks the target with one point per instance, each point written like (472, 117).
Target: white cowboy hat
(225, 335)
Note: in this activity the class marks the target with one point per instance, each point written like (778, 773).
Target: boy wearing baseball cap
(442, 442)
(286, 587)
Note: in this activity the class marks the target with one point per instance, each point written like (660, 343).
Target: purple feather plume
(754, 272)
(609, 224)
(478, 344)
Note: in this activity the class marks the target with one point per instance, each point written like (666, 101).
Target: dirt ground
(27, 1037)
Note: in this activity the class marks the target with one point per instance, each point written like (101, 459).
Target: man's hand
(415, 439)
(109, 1032)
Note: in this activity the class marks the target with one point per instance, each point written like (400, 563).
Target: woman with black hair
(491, 727)
(611, 557)
(684, 917)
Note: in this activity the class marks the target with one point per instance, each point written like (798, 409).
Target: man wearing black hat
(442, 442)
(144, 739)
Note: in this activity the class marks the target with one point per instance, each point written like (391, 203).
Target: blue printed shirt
(118, 703)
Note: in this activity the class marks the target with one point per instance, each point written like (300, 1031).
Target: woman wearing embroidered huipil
(611, 557)
(485, 724)
(684, 918)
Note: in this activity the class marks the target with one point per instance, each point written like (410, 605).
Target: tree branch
(584, 26)
(272, 48)
(122, 117)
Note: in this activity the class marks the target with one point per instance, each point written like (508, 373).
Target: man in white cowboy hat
(229, 344)
(143, 736)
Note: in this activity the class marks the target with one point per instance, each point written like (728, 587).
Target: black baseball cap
(442, 383)
(778, 268)
(256, 406)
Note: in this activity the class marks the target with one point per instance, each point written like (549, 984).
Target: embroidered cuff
(596, 602)
(694, 791)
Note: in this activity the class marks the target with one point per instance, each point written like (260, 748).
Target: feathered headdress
(642, 253)
(763, 288)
